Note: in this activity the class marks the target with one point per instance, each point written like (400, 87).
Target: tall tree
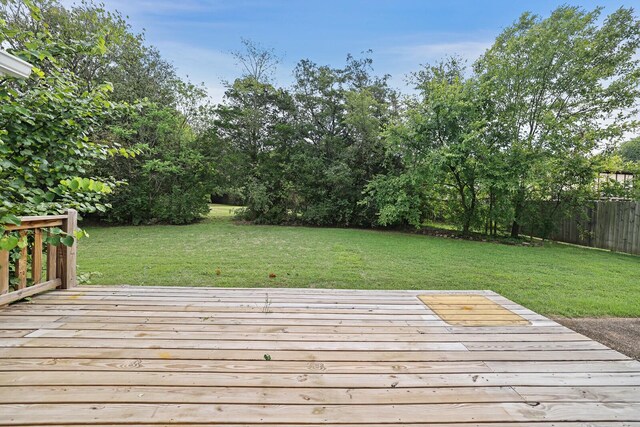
(257, 62)
(168, 180)
(342, 112)
(251, 108)
(112, 52)
(561, 88)
(443, 149)
(452, 138)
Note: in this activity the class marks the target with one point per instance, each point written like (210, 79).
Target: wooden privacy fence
(57, 269)
(613, 225)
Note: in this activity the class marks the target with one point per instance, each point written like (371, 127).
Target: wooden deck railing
(60, 262)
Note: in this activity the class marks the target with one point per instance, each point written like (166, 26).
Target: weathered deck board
(106, 356)
(326, 414)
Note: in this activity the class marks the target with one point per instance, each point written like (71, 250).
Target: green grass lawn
(553, 279)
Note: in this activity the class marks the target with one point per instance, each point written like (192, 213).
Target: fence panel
(613, 225)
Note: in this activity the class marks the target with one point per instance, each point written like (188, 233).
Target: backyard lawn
(553, 279)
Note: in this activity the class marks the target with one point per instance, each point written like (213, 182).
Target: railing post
(4, 272)
(67, 254)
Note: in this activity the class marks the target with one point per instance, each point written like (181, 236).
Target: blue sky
(197, 36)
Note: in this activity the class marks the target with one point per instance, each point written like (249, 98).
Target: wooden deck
(197, 356)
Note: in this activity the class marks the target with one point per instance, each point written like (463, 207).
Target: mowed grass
(553, 279)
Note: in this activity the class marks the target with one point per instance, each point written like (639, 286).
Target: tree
(561, 87)
(257, 62)
(255, 132)
(169, 180)
(450, 137)
(46, 126)
(442, 149)
(246, 120)
(111, 51)
(612, 168)
(341, 114)
(304, 155)
(630, 150)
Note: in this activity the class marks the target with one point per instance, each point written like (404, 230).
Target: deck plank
(298, 367)
(107, 356)
(325, 414)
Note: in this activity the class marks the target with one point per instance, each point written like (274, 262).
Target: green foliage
(111, 51)
(448, 139)
(516, 141)
(630, 150)
(168, 181)
(305, 155)
(483, 149)
(523, 135)
(82, 134)
(397, 200)
(48, 122)
(559, 89)
(618, 178)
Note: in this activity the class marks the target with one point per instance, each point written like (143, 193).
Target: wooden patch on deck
(471, 310)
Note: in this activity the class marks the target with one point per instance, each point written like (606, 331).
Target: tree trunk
(518, 206)
(489, 224)
(465, 228)
(515, 229)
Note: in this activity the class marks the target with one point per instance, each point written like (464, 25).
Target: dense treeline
(305, 154)
(518, 136)
(521, 135)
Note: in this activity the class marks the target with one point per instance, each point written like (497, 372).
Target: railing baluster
(36, 256)
(52, 262)
(21, 263)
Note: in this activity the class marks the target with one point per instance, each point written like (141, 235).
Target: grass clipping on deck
(471, 310)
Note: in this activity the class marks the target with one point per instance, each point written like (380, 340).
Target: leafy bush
(47, 124)
(398, 200)
(168, 181)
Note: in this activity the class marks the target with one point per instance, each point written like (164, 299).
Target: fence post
(67, 254)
